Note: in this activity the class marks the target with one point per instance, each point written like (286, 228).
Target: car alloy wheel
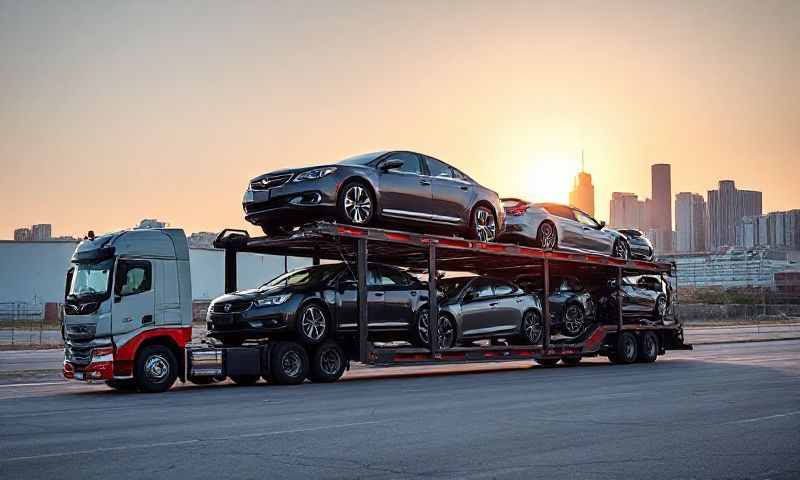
(156, 368)
(573, 320)
(330, 362)
(313, 323)
(532, 327)
(446, 329)
(485, 225)
(291, 363)
(357, 204)
(547, 236)
(621, 250)
(661, 307)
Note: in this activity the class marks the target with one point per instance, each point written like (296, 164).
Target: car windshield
(362, 159)
(305, 276)
(450, 287)
(91, 280)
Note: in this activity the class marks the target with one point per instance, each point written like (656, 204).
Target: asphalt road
(723, 411)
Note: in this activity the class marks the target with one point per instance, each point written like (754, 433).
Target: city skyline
(137, 118)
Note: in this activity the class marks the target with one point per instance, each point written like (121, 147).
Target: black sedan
(314, 303)
(475, 308)
(383, 188)
(647, 296)
(572, 308)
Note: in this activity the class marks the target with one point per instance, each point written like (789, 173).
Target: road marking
(769, 417)
(182, 442)
(33, 384)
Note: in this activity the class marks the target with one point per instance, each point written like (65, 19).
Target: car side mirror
(601, 225)
(470, 296)
(345, 284)
(392, 164)
(117, 298)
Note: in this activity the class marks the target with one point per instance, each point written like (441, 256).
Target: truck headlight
(315, 174)
(274, 300)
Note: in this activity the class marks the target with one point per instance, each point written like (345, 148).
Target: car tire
(245, 380)
(648, 348)
(621, 249)
(356, 204)
(418, 336)
(547, 362)
(626, 349)
(288, 363)
(312, 323)
(547, 236)
(155, 369)
(127, 385)
(660, 310)
(571, 360)
(573, 327)
(328, 363)
(483, 224)
(531, 321)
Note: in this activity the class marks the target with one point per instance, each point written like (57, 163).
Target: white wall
(34, 272)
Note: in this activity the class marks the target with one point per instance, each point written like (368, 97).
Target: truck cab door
(134, 297)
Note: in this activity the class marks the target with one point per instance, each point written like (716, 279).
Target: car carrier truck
(128, 307)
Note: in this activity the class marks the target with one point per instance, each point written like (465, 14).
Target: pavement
(722, 411)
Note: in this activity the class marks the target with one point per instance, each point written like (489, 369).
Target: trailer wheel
(122, 385)
(648, 348)
(328, 363)
(245, 380)
(571, 360)
(156, 369)
(288, 363)
(546, 362)
(627, 349)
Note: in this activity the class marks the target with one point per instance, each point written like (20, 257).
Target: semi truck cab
(128, 309)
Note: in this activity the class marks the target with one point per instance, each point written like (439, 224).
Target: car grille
(270, 182)
(231, 307)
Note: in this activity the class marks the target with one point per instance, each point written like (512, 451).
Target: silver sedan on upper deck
(551, 226)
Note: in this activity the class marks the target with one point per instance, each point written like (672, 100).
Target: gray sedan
(551, 226)
(475, 308)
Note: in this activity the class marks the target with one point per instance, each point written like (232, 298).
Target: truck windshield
(91, 280)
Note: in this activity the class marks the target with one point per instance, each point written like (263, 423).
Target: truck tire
(288, 363)
(626, 349)
(546, 362)
(571, 360)
(122, 385)
(245, 380)
(328, 363)
(648, 347)
(155, 369)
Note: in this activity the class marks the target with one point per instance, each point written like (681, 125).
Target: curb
(746, 340)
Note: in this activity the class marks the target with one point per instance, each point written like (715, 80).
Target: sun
(548, 178)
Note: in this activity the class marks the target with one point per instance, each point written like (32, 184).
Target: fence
(29, 324)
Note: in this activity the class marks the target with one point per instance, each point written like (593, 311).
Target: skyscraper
(41, 232)
(726, 207)
(661, 211)
(582, 194)
(691, 221)
(22, 234)
(627, 211)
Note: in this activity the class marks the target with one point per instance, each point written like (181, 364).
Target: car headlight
(315, 174)
(274, 300)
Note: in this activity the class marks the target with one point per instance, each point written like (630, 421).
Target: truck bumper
(94, 371)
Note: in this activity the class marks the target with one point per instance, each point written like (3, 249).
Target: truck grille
(271, 182)
(80, 331)
(78, 354)
(231, 307)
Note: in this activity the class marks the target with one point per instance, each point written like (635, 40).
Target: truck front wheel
(156, 369)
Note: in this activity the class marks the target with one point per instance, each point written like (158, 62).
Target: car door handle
(378, 294)
(413, 293)
(424, 182)
(493, 304)
(464, 187)
(147, 319)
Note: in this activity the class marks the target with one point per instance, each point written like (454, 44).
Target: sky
(111, 112)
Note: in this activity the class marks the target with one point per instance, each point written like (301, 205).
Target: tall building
(691, 219)
(661, 211)
(776, 229)
(582, 194)
(22, 234)
(201, 239)
(41, 232)
(726, 208)
(627, 211)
